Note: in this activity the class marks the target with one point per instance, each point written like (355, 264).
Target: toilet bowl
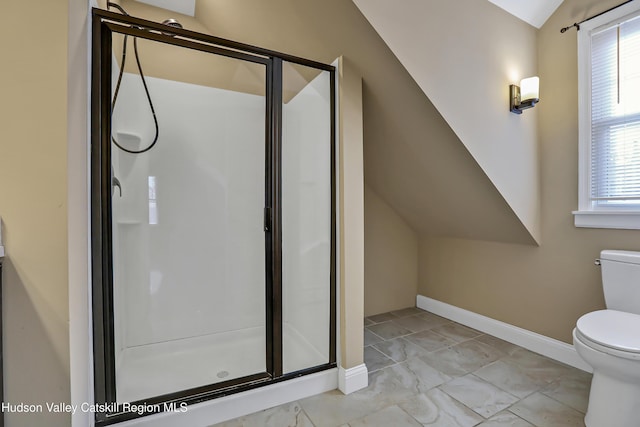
(609, 341)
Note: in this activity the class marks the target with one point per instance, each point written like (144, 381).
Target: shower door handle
(115, 182)
(267, 219)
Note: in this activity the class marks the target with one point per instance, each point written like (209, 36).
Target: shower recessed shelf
(128, 139)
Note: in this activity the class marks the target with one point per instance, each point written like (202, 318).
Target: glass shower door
(188, 238)
(213, 217)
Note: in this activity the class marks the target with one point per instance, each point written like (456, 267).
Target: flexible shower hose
(144, 84)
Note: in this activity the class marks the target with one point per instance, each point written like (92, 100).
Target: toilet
(609, 341)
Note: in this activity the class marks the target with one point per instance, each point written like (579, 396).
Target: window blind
(615, 115)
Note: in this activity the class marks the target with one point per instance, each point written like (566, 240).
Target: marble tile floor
(425, 370)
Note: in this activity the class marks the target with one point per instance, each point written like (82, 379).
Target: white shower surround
(198, 242)
(202, 323)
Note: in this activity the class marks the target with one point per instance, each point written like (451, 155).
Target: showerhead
(172, 23)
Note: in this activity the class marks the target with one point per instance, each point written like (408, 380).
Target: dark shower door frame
(104, 24)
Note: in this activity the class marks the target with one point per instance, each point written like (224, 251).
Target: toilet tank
(621, 280)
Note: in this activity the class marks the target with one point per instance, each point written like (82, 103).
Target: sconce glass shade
(529, 88)
(524, 96)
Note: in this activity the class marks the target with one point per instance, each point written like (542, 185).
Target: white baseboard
(353, 379)
(240, 404)
(554, 349)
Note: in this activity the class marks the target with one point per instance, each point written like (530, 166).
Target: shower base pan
(156, 369)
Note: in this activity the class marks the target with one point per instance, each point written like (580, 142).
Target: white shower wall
(189, 253)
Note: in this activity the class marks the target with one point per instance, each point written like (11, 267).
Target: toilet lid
(611, 328)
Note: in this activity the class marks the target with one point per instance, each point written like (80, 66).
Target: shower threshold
(156, 369)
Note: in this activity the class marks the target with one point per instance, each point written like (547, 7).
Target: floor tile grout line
(410, 416)
(460, 402)
(562, 403)
(450, 339)
(389, 356)
(388, 366)
(518, 416)
(388, 321)
(425, 330)
(500, 388)
(453, 344)
(373, 347)
(306, 414)
(375, 335)
(427, 352)
(537, 390)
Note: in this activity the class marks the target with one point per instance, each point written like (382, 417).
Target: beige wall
(464, 54)
(351, 214)
(33, 206)
(542, 289)
(390, 258)
(77, 197)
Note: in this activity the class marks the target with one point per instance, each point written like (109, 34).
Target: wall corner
(351, 214)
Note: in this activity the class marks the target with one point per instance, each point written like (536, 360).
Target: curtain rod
(577, 25)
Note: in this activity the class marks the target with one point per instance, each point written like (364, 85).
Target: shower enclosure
(213, 216)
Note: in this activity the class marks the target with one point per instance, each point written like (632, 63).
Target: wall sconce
(524, 96)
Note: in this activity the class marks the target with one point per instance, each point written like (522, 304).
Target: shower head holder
(171, 23)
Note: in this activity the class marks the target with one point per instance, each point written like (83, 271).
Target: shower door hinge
(267, 219)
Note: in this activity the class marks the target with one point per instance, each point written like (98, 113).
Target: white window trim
(586, 215)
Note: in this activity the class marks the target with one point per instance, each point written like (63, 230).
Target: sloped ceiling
(534, 12)
(413, 159)
(463, 55)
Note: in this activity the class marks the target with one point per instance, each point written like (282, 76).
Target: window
(609, 102)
